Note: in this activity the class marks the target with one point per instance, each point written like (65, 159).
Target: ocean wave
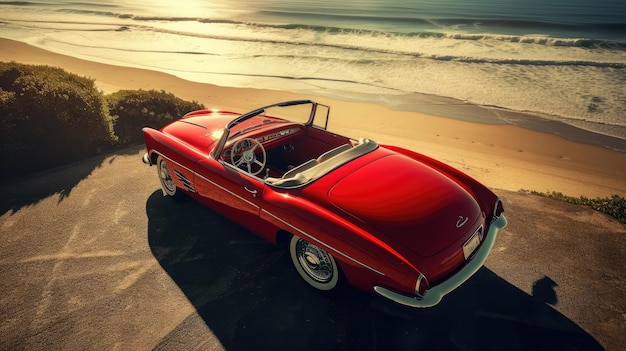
(542, 40)
(347, 45)
(618, 65)
(431, 28)
(368, 47)
(353, 47)
(33, 3)
(530, 24)
(365, 61)
(452, 22)
(19, 3)
(598, 64)
(523, 39)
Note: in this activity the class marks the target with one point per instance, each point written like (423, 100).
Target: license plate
(471, 245)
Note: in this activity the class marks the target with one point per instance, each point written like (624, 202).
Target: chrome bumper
(435, 294)
(146, 159)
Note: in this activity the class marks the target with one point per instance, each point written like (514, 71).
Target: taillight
(421, 286)
(498, 209)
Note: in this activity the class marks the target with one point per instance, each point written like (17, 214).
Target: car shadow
(248, 294)
(58, 180)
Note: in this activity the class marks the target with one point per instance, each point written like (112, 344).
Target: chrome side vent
(186, 182)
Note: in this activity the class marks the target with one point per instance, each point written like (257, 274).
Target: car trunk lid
(409, 202)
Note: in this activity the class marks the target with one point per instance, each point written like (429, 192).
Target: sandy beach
(500, 156)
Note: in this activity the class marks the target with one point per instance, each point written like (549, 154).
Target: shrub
(49, 117)
(614, 206)
(135, 109)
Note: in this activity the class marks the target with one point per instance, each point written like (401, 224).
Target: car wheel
(316, 266)
(165, 176)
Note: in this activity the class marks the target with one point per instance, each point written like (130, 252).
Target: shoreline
(435, 105)
(446, 107)
(499, 155)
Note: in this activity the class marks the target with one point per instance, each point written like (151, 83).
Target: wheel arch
(347, 269)
(283, 237)
(153, 157)
(363, 258)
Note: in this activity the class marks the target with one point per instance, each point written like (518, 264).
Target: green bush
(614, 206)
(49, 117)
(135, 109)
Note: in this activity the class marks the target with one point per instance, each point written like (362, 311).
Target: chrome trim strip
(192, 123)
(230, 192)
(210, 181)
(434, 295)
(183, 179)
(169, 159)
(188, 183)
(320, 242)
(279, 219)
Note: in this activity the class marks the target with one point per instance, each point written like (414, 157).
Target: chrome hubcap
(315, 261)
(166, 177)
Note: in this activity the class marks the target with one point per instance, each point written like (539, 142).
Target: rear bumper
(434, 295)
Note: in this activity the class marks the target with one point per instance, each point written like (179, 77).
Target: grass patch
(614, 206)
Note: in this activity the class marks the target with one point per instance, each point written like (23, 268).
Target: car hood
(199, 130)
(410, 203)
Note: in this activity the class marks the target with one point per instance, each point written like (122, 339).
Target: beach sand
(499, 156)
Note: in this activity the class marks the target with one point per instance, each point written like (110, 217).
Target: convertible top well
(325, 163)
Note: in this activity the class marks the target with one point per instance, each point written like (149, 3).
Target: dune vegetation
(614, 206)
(50, 117)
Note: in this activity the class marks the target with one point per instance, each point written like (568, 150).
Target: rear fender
(362, 257)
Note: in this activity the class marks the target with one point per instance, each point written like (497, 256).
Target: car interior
(294, 154)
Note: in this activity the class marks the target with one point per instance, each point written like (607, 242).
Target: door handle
(253, 191)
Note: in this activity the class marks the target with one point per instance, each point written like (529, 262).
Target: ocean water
(559, 60)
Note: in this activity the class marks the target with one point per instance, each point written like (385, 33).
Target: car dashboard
(269, 138)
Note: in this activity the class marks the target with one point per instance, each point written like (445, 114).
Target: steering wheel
(244, 157)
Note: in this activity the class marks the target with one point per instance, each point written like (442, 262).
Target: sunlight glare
(184, 8)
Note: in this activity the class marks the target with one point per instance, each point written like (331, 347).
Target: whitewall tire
(165, 176)
(316, 266)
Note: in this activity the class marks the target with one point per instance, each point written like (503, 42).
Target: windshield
(298, 111)
(303, 112)
(293, 113)
(252, 124)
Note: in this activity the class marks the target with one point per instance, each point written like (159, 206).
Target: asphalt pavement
(92, 256)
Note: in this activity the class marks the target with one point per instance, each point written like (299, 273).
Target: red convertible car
(380, 217)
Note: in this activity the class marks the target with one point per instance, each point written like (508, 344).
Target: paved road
(92, 256)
